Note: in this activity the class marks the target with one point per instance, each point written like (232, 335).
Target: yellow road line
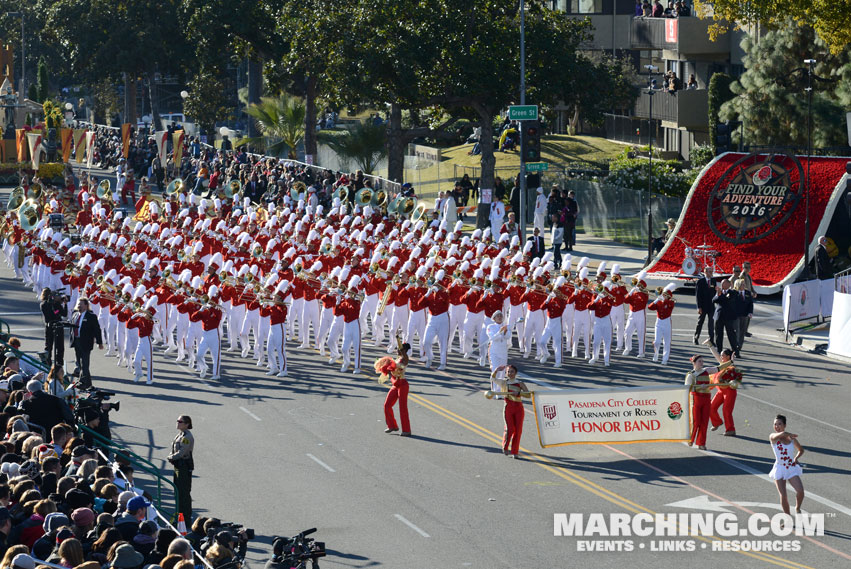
(580, 481)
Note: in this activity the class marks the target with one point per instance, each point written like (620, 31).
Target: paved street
(282, 455)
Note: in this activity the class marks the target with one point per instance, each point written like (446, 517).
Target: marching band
(189, 273)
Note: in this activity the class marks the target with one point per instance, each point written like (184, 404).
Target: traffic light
(723, 136)
(530, 141)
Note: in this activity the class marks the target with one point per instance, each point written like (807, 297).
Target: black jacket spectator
(725, 306)
(824, 270)
(47, 410)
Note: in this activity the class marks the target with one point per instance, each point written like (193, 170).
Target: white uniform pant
(334, 336)
(635, 324)
(143, 352)
(250, 323)
(552, 330)
(470, 331)
(618, 325)
(399, 322)
(181, 331)
(662, 334)
(517, 320)
(210, 343)
(437, 329)
(456, 322)
(602, 335)
(367, 311)
(309, 317)
(382, 320)
(296, 312)
(235, 318)
(567, 318)
(131, 340)
(276, 348)
(351, 343)
(535, 321)
(325, 320)
(111, 332)
(262, 335)
(416, 325)
(193, 335)
(581, 330)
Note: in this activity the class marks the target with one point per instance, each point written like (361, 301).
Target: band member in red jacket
(143, 321)
(664, 307)
(636, 323)
(554, 307)
(437, 301)
(350, 310)
(276, 349)
(210, 315)
(601, 308)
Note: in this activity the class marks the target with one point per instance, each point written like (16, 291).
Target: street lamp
(809, 63)
(184, 94)
(23, 92)
(651, 90)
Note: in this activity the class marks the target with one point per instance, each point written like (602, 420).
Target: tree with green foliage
(207, 102)
(42, 87)
(105, 101)
(281, 123)
(614, 81)
(719, 93)
(770, 96)
(829, 18)
(364, 143)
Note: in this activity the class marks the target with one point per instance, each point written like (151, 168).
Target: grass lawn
(556, 149)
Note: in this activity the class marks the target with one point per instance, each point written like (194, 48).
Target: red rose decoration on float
(751, 207)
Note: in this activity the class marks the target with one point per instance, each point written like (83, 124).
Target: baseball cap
(137, 503)
(82, 450)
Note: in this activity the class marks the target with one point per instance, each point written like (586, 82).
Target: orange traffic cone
(181, 524)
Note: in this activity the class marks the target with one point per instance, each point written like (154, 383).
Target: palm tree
(363, 142)
(281, 124)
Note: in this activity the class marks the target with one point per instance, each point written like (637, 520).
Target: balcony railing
(685, 108)
(688, 35)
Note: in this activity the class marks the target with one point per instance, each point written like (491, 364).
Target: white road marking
(525, 377)
(745, 468)
(703, 502)
(410, 525)
(250, 414)
(787, 410)
(320, 463)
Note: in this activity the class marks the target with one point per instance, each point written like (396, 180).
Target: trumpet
(103, 284)
(600, 289)
(551, 289)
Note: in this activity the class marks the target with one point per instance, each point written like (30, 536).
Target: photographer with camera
(226, 545)
(296, 551)
(44, 409)
(54, 309)
(181, 459)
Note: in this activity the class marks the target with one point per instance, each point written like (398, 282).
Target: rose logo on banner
(754, 197)
(803, 296)
(675, 410)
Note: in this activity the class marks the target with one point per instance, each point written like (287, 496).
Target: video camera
(296, 551)
(96, 399)
(234, 531)
(58, 296)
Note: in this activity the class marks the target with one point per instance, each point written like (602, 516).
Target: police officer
(181, 459)
(54, 309)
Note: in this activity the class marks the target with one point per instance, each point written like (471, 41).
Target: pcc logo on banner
(612, 416)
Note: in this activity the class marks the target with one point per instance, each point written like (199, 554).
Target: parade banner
(34, 141)
(161, 138)
(750, 207)
(21, 144)
(839, 339)
(656, 413)
(90, 148)
(178, 148)
(66, 135)
(79, 144)
(801, 301)
(125, 139)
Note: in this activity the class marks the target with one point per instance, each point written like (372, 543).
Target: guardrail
(137, 462)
